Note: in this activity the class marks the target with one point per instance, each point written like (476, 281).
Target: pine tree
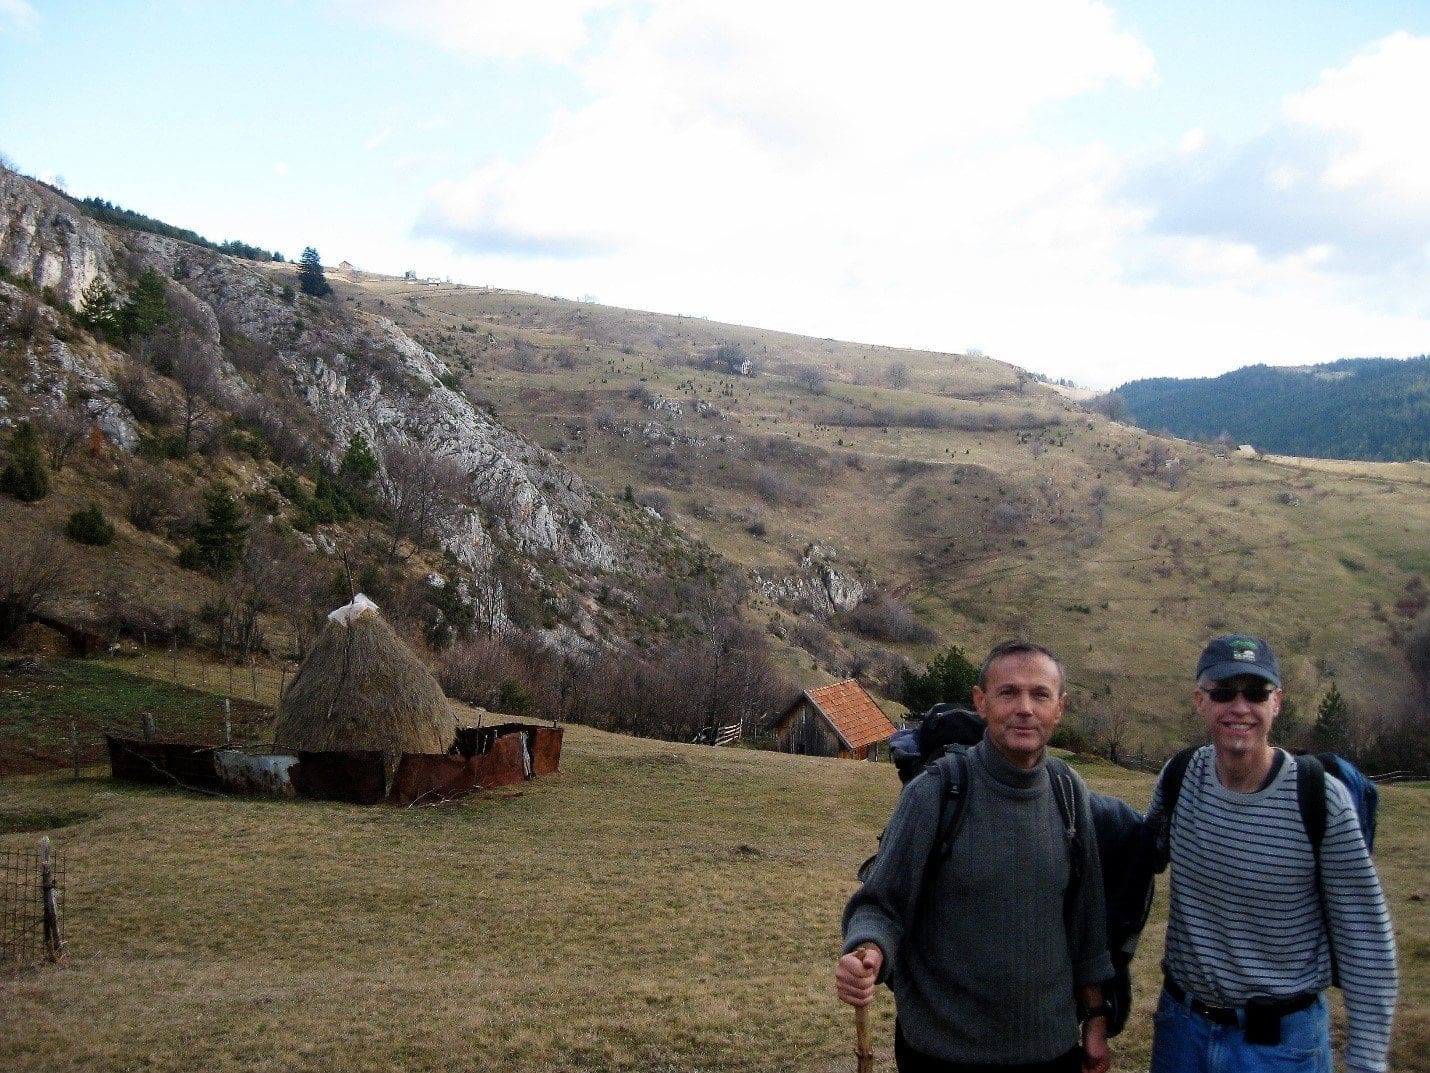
(90, 526)
(25, 476)
(1333, 723)
(102, 310)
(220, 537)
(950, 678)
(310, 275)
(359, 464)
(145, 311)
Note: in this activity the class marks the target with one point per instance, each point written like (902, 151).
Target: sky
(1095, 191)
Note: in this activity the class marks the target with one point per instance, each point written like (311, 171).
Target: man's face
(1239, 726)
(1024, 701)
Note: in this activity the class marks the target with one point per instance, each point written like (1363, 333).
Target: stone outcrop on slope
(355, 373)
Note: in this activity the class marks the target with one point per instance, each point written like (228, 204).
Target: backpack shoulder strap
(1311, 799)
(952, 769)
(1067, 788)
(1066, 792)
(952, 772)
(1173, 775)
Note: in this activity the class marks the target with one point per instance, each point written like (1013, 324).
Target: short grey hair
(1021, 648)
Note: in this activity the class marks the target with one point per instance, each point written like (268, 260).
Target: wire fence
(32, 897)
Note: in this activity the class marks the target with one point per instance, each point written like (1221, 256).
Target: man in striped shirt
(1250, 938)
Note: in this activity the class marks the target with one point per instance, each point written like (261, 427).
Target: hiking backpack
(1124, 849)
(1311, 772)
(915, 748)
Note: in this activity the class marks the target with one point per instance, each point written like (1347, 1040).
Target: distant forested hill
(1364, 408)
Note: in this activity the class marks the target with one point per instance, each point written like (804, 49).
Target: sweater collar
(999, 767)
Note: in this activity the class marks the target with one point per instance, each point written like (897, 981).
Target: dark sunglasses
(1255, 692)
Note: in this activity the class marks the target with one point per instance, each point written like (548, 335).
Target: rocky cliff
(258, 344)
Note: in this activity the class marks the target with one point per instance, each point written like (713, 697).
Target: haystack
(360, 687)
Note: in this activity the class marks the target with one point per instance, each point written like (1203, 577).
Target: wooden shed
(835, 720)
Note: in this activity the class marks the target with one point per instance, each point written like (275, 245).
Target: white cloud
(876, 176)
(721, 129)
(1336, 193)
(280, 168)
(17, 15)
(551, 29)
(1375, 105)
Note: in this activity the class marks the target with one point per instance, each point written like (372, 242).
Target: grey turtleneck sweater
(988, 971)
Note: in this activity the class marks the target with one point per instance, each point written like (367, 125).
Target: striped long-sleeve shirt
(1246, 919)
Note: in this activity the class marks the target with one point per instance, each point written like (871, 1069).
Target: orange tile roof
(853, 713)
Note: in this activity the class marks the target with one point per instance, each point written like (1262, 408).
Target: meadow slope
(651, 907)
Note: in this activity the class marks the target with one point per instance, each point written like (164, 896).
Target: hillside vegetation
(652, 522)
(1372, 409)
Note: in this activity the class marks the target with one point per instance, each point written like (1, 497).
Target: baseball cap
(1236, 653)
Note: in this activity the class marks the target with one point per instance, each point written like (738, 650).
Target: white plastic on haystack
(350, 613)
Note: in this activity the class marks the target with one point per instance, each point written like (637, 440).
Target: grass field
(652, 907)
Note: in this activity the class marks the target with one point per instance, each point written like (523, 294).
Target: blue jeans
(1186, 1042)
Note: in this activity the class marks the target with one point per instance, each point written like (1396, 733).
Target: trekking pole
(863, 1051)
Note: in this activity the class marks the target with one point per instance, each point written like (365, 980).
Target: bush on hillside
(89, 526)
(24, 477)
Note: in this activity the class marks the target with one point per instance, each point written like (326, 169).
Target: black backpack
(1311, 772)
(916, 748)
(1124, 848)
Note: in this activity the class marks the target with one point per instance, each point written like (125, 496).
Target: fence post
(74, 747)
(230, 677)
(148, 726)
(253, 671)
(227, 723)
(54, 944)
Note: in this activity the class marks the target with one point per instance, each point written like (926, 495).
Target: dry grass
(1124, 570)
(361, 687)
(652, 907)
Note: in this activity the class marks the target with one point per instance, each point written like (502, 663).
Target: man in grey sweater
(998, 963)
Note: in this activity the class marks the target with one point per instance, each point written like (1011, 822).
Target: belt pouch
(1263, 1023)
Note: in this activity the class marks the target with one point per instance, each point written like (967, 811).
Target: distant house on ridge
(835, 720)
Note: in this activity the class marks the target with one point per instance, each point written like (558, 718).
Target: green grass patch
(20, 821)
(37, 708)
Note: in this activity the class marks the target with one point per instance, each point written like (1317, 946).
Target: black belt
(1231, 1016)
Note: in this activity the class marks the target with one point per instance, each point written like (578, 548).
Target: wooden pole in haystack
(863, 1051)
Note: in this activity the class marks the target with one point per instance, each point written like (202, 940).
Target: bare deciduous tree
(34, 573)
(63, 431)
(420, 493)
(812, 378)
(192, 367)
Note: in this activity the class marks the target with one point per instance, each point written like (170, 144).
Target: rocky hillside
(582, 478)
(241, 354)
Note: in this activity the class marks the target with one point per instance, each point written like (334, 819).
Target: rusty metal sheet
(167, 763)
(357, 776)
(426, 779)
(259, 774)
(545, 745)
(507, 762)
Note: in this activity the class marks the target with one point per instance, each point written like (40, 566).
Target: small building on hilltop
(835, 720)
